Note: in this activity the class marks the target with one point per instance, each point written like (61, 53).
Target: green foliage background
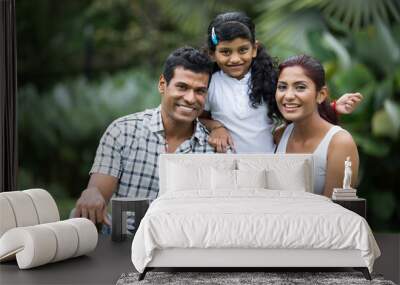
(82, 64)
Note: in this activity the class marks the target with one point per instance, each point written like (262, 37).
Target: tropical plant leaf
(382, 125)
(355, 78)
(385, 38)
(356, 14)
(338, 48)
(377, 47)
(383, 91)
(393, 111)
(386, 122)
(289, 29)
(372, 146)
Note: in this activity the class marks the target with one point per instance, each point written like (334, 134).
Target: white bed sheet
(252, 218)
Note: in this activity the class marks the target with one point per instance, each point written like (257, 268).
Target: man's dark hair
(189, 58)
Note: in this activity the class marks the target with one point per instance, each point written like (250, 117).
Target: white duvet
(253, 218)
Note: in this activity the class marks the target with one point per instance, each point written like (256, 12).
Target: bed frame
(240, 259)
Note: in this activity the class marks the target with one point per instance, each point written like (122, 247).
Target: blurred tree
(49, 40)
(60, 130)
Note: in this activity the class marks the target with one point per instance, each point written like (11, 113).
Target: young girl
(241, 97)
(300, 91)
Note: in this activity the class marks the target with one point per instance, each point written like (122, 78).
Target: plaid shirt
(130, 147)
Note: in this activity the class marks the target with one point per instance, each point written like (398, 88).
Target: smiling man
(126, 162)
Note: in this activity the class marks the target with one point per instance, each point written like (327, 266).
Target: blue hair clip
(214, 37)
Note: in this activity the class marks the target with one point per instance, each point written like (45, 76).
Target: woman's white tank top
(320, 155)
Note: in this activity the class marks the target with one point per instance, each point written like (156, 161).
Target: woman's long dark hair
(232, 25)
(315, 71)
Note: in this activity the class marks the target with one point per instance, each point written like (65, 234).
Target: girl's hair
(232, 25)
(315, 71)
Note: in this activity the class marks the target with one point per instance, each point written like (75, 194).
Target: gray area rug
(243, 278)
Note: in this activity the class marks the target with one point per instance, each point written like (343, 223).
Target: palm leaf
(290, 30)
(356, 14)
(287, 19)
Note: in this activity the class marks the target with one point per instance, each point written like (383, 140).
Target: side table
(121, 205)
(357, 205)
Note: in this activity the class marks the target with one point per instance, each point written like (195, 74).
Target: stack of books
(344, 194)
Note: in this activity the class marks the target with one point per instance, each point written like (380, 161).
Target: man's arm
(94, 199)
(206, 119)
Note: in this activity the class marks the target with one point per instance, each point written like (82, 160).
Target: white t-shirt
(228, 101)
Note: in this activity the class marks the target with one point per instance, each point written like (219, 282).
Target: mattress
(250, 219)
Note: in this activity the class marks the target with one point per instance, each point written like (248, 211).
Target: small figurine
(347, 174)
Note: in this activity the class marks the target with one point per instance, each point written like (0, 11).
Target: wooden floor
(110, 259)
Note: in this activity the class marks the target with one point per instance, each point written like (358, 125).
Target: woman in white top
(301, 97)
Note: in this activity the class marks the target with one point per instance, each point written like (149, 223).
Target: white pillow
(251, 178)
(179, 177)
(188, 177)
(223, 179)
(283, 172)
(279, 180)
(227, 179)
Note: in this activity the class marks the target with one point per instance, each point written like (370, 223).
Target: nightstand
(357, 205)
(121, 205)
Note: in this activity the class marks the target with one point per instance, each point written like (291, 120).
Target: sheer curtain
(8, 97)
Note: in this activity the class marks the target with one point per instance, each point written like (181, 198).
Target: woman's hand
(348, 103)
(221, 139)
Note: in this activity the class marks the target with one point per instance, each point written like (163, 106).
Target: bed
(228, 210)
